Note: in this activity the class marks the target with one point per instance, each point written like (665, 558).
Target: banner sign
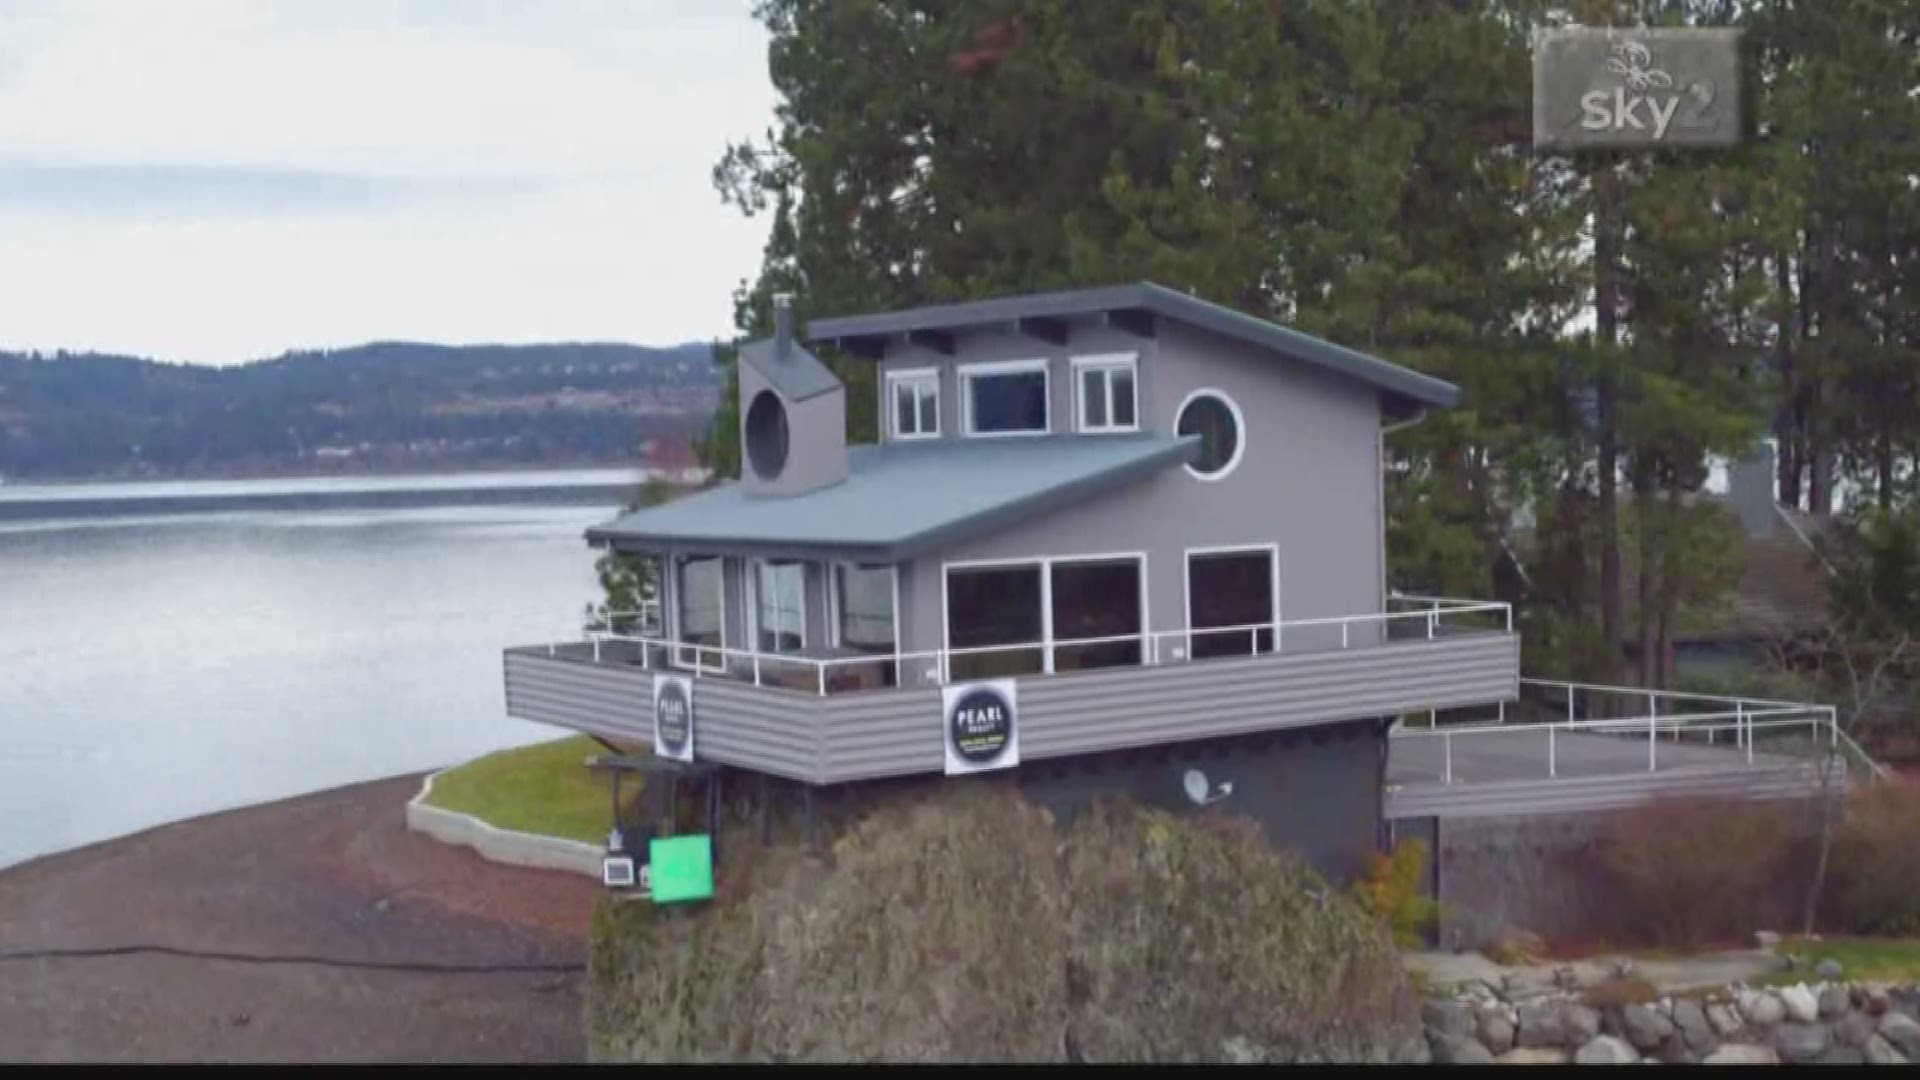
(1635, 88)
(980, 725)
(673, 717)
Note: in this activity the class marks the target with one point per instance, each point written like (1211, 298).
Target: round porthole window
(767, 435)
(1214, 417)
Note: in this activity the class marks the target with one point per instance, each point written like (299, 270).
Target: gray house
(1110, 539)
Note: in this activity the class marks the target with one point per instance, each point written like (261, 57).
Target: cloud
(222, 180)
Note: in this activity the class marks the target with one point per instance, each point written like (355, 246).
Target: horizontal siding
(1586, 794)
(892, 733)
(1110, 710)
(734, 724)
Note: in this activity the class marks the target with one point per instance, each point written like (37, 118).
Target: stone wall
(1827, 1022)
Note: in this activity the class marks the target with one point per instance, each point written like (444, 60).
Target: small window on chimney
(767, 435)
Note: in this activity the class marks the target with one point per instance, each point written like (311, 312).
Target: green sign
(682, 868)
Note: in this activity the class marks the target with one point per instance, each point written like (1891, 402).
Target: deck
(830, 736)
(1679, 745)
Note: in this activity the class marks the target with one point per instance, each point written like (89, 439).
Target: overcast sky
(219, 180)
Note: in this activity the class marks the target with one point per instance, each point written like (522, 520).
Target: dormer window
(914, 403)
(1005, 397)
(1104, 393)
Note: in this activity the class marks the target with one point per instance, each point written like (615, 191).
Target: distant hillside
(383, 406)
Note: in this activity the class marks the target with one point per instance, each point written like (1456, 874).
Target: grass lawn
(1863, 958)
(545, 788)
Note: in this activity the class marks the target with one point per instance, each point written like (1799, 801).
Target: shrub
(1693, 871)
(955, 922)
(1392, 889)
(1876, 859)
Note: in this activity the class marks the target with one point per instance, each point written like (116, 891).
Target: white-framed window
(913, 403)
(699, 612)
(1106, 392)
(779, 606)
(1004, 397)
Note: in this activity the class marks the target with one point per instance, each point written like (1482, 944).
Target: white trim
(1240, 431)
(1186, 585)
(1107, 363)
(911, 376)
(966, 372)
(1045, 563)
(753, 566)
(699, 651)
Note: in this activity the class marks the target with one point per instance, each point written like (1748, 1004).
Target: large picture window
(779, 606)
(700, 593)
(1005, 398)
(1064, 614)
(994, 605)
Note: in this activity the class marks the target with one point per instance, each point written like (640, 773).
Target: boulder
(1875, 1000)
(1579, 1025)
(1446, 1017)
(1853, 1029)
(1742, 1054)
(1829, 969)
(1644, 1027)
(1458, 1050)
(1799, 1042)
(1833, 1002)
(1606, 1050)
(1494, 1030)
(1801, 1005)
(1676, 1052)
(1533, 1055)
(1690, 1019)
(1540, 1026)
(1761, 1008)
(1725, 1019)
(1841, 1055)
(1903, 1032)
(1881, 1052)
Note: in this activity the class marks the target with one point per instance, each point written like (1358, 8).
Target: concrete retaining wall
(500, 845)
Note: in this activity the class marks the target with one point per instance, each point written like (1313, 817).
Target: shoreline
(334, 877)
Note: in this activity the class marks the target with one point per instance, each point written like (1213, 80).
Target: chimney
(1750, 489)
(782, 325)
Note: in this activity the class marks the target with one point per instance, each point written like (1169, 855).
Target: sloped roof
(902, 499)
(1409, 386)
(797, 374)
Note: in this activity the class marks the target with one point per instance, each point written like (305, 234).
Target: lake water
(158, 667)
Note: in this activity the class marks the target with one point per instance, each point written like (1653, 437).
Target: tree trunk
(1647, 598)
(1606, 226)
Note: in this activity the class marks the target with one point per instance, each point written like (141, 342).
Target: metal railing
(1709, 719)
(1433, 617)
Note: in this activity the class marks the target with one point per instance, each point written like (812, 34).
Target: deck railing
(1428, 618)
(1655, 716)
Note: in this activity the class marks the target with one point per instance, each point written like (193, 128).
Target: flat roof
(903, 499)
(1411, 387)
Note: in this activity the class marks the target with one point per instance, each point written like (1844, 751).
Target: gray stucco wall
(1308, 481)
(816, 440)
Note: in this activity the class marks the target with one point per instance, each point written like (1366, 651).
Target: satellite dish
(1197, 785)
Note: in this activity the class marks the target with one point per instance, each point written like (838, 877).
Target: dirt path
(334, 874)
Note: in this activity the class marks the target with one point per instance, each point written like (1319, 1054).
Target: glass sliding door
(1096, 599)
(994, 606)
(700, 602)
(1232, 592)
(780, 607)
